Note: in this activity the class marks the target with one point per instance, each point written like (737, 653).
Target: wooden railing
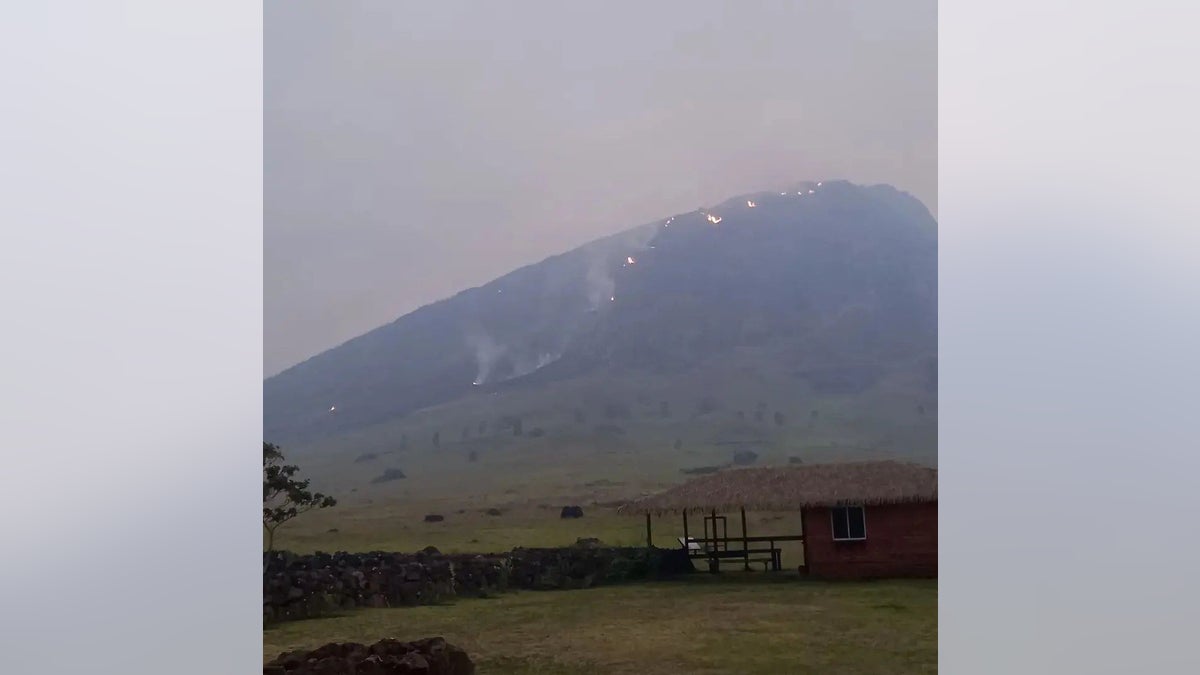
(715, 549)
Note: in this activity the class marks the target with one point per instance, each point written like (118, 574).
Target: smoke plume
(487, 353)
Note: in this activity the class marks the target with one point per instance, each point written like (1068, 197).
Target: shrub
(745, 457)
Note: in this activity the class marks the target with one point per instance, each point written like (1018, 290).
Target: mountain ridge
(843, 272)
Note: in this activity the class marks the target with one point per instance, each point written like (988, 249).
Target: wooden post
(649, 542)
(716, 543)
(685, 532)
(714, 562)
(803, 544)
(745, 542)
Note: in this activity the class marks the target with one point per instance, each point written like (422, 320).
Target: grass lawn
(735, 623)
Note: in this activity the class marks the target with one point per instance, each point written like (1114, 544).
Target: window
(849, 523)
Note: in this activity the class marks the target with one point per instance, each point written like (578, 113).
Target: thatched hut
(857, 519)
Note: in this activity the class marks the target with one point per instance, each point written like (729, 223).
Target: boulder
(571, 512)
(431, 656)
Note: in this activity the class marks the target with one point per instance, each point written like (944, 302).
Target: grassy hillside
(618, 430)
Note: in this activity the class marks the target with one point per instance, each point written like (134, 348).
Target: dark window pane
(857, 522)
(840, 526)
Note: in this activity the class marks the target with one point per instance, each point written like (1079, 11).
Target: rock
(571, 512)
(434, 518)
(431, 656)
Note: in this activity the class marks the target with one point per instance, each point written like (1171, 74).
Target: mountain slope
(829, 290)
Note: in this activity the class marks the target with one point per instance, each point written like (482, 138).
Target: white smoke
(606, 258)
(487, 353)
(599, 282)
(526, 365)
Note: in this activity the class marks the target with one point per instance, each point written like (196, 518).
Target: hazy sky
(416, 149)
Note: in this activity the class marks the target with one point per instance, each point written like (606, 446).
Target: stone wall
(543, 569)
(298, 587)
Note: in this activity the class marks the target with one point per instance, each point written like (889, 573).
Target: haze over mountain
(766, 306)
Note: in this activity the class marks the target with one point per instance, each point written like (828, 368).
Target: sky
(413, 150)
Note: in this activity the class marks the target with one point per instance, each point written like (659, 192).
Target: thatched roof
(790, 488)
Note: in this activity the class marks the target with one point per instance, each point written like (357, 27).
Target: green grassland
(741, 623)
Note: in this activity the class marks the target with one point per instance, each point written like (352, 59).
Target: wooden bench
(770, 556)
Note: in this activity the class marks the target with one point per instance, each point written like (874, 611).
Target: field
(735, 623)
(739, 623)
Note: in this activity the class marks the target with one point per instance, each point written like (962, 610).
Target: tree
(437, 439)
(285, 496)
